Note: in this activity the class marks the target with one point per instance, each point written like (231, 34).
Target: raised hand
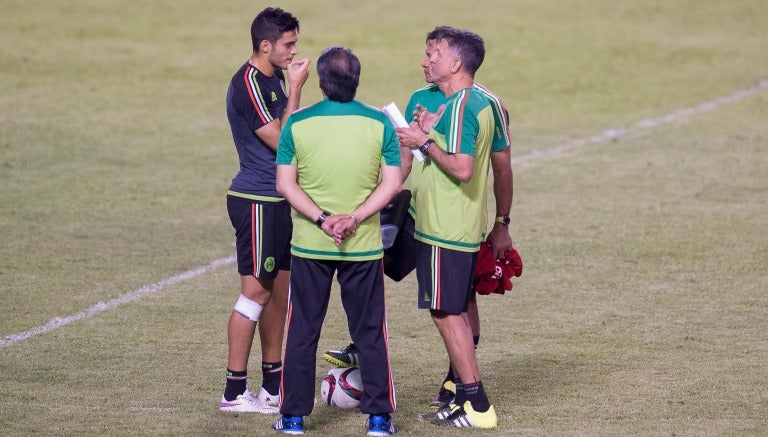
(425, 119)
(298, 72)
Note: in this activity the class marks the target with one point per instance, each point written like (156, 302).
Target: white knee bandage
(248, 308)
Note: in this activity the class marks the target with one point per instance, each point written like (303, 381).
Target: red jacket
(495, 276)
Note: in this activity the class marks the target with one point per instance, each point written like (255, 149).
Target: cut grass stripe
(146, 290)
(610, 134)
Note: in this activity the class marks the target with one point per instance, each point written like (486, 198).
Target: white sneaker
(246, 403)
(267, 403)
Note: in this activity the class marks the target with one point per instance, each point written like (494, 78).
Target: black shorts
(445, 278)
(400, 259)
(263, 232)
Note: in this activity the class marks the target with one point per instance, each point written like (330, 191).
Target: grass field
(643, 306)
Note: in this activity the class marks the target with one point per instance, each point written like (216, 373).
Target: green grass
(642, 309)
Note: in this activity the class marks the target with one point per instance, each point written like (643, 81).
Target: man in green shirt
(431, 99)
(336, 231)
(458, 149)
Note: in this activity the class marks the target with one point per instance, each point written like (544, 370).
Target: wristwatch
(504, 220)
(321, 219)
(424, 148)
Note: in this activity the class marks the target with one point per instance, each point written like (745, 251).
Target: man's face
(283, 50)
(439, 61)
(425, 64)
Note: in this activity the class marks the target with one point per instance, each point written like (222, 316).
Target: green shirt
(338, 149)
(452, 214)
(430, 97)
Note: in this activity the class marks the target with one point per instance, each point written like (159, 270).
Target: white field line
(610, 134)
(58, 322)
(605, 135)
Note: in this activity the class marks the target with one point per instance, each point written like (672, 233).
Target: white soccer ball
(342, 387)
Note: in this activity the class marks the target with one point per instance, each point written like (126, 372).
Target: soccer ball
(342, 387)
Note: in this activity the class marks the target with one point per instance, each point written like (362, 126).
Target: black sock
(271, 374)
(476, 340)
(236, 382)
(460, 397)
(477, 397)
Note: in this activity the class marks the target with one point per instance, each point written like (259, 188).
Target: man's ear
(265, 46)
(456, 66)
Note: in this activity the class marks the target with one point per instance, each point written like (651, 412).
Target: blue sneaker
(380, 425)
(293, 425)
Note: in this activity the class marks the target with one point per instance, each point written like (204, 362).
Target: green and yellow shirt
(338, 149)
(430, 97)
(452, 214)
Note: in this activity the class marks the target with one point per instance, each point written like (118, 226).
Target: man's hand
(339, 227)
(345, 227)
(298, 72)
(415, 135)
(411, 137)
(425, 119)
(328, 227)
(500, 240)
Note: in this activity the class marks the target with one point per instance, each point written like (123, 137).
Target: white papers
(396, 117)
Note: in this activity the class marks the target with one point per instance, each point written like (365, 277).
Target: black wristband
(424, 148)
(321, 219)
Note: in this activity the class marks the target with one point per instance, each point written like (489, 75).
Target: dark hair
(468, 46)
(338, 70)
(440, 32)
(270, 25)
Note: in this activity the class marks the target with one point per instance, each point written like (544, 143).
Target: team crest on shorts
(269, 264)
